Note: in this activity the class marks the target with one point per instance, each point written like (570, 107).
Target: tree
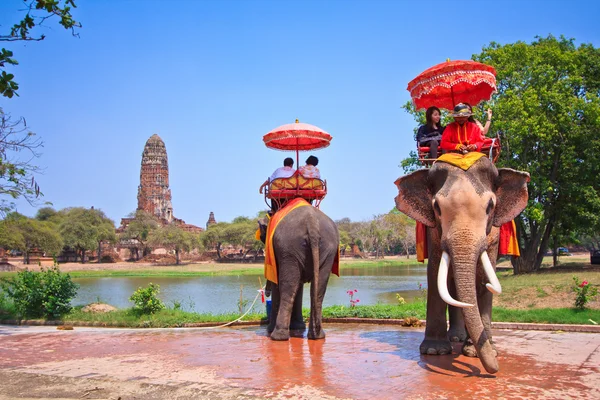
(18, 232)
(139, 230)
(548, 106)
(17, 171)
(37, 12)
(172, 238)
(84, 229)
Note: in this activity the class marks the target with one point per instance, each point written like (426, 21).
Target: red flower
(356, 290)
(583, 283)
(357, 300)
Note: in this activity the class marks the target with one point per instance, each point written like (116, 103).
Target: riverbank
(208, 268)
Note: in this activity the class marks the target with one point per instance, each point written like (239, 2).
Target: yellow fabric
(270, 261)
(295, 182)
(309, 183)
(509, 244)
(284, 183)
(421, 236)
(459, 160)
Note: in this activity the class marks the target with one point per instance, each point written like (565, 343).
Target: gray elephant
(305, 244)
(463, 210)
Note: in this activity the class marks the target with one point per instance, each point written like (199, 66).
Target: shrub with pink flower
(353, 301)
(584, 292)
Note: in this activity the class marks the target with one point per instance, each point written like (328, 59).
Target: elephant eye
(436, 208)
(490, 207)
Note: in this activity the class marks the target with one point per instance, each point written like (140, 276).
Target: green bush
(47, 293)
(584, 293)
(145, 300)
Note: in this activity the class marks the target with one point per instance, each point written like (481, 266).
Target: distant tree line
(85, 230)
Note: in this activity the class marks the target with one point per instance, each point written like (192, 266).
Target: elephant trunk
(464, 268)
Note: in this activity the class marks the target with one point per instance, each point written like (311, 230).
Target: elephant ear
(414, 197)
(262, 227)
(511, 195)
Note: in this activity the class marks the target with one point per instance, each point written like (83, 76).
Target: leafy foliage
(584, 293)
(83, 229)
(47, 293)
(37, 12)
(18, 232)
(548, 107)
(173, 238)
(146, 301)
(16, 170)
(138, 230)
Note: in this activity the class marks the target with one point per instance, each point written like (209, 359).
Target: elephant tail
(314, 237)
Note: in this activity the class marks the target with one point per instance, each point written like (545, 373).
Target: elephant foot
(457, 335)
(469, 349)
(297, 333)
(316, 335)
(280, 334)
(435, 347)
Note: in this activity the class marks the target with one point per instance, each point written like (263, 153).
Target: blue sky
(212, 77)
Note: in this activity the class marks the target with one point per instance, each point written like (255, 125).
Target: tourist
(282, 172)
(462, 135)
(430, 134)
(484, 128)
(310, 170)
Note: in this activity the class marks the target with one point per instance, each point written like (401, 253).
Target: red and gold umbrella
(452, 82)
(297, 136)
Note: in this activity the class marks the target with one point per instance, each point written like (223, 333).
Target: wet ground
(353, 362)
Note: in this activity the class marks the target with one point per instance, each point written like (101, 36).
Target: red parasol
(297, 136)
(452, 82)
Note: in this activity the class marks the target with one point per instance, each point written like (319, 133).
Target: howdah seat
(281, 190)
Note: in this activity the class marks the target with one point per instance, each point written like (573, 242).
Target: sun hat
(462, 110)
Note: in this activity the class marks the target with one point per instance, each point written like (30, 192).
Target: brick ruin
(154, 194)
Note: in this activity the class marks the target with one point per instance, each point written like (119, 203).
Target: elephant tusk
(442, 282)
(494, 285)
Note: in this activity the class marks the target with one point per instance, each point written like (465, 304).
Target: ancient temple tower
(154, 195)
(211, 220)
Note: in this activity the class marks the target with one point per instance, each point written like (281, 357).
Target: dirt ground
(354, 362)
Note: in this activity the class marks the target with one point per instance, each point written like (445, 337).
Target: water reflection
(220, 294)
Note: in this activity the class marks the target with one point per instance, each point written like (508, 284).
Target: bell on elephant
(462, 205)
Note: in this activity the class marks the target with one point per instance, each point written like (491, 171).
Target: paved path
(354, 362)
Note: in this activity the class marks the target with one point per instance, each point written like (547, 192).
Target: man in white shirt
(282, 172)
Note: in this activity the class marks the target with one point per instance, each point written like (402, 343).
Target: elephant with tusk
(463, 207)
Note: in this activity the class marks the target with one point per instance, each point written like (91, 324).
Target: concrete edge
(371, 321)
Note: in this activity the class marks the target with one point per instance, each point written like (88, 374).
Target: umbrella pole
(297, 155)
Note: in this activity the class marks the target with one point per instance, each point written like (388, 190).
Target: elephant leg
(275, 296)
(297, 325)
(436, 339)
(287, 295)
(315, 327)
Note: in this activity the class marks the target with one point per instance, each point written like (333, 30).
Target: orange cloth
(270, 261)
(509, 244)
(421, 242)
(463, 161)
(455, 134)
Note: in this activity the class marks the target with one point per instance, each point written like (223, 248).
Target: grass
(548, 316)
(169, 318)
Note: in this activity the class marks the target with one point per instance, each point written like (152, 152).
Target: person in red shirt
(462, 135)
